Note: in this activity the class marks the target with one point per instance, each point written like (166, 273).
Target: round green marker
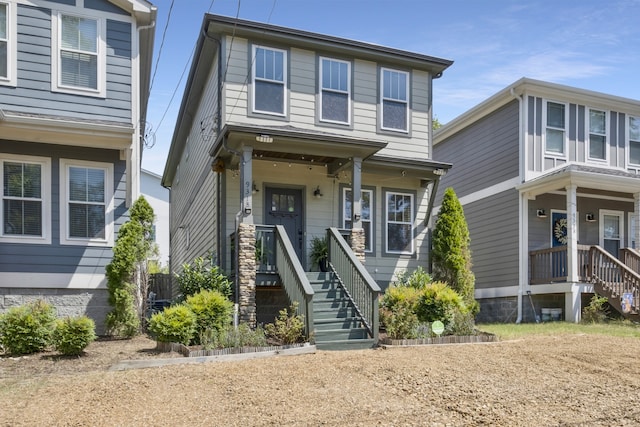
(437, 327)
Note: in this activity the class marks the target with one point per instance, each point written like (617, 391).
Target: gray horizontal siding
(483, 154)
(56, 258)
(33, 93)
(493, 229)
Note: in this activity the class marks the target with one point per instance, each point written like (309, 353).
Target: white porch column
(636, 218)
(246, 185)
(572, 299)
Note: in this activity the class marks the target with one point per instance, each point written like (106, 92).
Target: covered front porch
(578, 237)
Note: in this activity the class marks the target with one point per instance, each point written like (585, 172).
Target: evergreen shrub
(27, 329)
(73, 334)
(174, 324)
(212, 309)
(202, 275)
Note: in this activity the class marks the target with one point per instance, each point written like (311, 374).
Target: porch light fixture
(541, 213)
(255, 189)
(590, 217)
(316, 193)
(267, 139)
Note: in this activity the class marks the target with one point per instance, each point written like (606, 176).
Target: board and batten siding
(193, 194)
(57, 258)
(33, 93)
(538, 161)
(483, 154)
(302, 98)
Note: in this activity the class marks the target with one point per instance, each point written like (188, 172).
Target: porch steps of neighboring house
(336, 323)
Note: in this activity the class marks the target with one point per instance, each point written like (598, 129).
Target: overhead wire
(164, 35)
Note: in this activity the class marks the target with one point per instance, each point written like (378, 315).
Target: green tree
(127, 273)
(450, 251)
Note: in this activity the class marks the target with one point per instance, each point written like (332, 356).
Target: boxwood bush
(73, 334)
(27, 329)
(212, 309)
(174, 324)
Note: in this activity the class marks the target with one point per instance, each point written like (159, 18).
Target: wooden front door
(284, 207)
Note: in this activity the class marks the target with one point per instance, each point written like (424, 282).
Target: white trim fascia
(12, 46)
(501, 187)
(35, 281)
(497, 292)
(559, 288)
(54, 6)
(594, 196)
(68, 125)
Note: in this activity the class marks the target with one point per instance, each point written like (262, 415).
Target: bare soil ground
(562, 380)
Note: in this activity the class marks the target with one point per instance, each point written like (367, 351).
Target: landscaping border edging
(449, 339)
(290, 350)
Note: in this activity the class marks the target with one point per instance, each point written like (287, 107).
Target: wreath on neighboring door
(560, 231)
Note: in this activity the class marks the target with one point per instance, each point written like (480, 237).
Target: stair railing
(355, 279)
(631, 258)
(614, 277)
(294, 280)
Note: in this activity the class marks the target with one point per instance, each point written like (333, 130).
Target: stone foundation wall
(67, 302)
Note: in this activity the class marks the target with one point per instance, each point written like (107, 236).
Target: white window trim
(620, 215)
(370, 220)
(632, 224)
(12, 45)
(45, 191)
(322, 90)
(386, 223)
(628, 135)
(382, 99)
(562, 155)
(65, 164)
(56, 43)
(284, 82)
(588, 135)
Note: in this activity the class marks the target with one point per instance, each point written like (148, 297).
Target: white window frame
(412, 196)
(369, 221)
(45, 198)
(56, 47)
(322, 89)
(589, 132)
(12, 45)
(397, 100)
(562, 155)
(620, 215)
(284, 81)
(630, 141)
(65, 164)
(632, 225)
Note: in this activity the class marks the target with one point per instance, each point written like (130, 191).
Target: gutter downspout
(523, 224)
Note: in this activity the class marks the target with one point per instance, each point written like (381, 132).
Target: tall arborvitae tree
(450, 251)
(126, 273)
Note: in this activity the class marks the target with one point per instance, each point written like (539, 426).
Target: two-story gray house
(548, 178)
(285, 135)
(74, 83)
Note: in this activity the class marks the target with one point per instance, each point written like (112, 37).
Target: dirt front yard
(562, 380)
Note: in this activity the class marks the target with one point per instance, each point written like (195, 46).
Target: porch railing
(631, 258)
(294, 280)
(550, 265)
(614, 278)
(356, 280)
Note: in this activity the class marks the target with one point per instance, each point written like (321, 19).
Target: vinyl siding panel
(33, 93)
(57, 258)
(483, 154)
(493, 230)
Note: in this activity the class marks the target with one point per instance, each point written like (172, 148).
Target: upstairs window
(80, 55)
(634, 140)
(85, 209)
(7, 44)
(394, 102)
(597, 135)
(555, 128)
(335, 90)
(25, 197)
(269, 80)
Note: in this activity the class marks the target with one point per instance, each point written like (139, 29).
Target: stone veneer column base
(357, 243)
(247, 273)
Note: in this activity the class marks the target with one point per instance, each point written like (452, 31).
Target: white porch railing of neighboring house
(550, 265)
(355, 279)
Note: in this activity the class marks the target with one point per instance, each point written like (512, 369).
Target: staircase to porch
(336, 321)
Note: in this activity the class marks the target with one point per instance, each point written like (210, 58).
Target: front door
(284, 207)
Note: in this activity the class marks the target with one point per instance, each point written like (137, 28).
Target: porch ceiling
(588, 177)
(286, 143)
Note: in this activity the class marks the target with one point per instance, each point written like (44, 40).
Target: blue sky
(590, 44)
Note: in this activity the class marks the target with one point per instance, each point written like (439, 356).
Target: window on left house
(335, 84)
(394, 93)
(7, 43)
(80, 55)
(597, 135)
(86, 203)
(399, 222)
(25, 198)
(634, 140)
(269, 80)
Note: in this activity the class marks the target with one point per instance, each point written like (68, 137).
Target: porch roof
(585, 176)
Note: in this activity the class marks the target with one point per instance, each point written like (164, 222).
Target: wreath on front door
(560, 231)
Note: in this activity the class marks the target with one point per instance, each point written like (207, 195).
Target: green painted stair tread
(353, 344)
